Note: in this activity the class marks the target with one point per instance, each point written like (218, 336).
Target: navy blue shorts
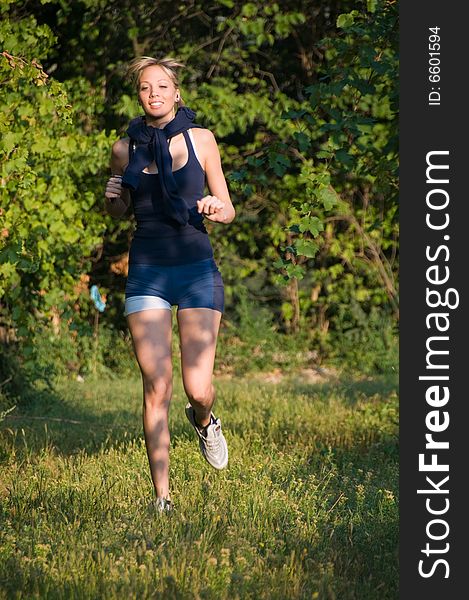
(194, 285)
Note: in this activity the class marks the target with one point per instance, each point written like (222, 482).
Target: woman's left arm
(218, 206)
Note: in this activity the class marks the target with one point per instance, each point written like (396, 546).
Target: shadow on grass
(75, 417)
(74, 420)
(366, 556)
(47, 417)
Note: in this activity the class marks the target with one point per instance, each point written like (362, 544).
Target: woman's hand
(113, 188)
(117, 197)
(213, 208)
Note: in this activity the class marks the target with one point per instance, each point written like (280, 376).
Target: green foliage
(363, 340)
(51, 177)
(252, 342)
(302, 100)
(68, 354)
(347, 140)
(347, 143)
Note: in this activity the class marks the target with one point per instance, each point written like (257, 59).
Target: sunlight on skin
(151, 336)
(151, 332)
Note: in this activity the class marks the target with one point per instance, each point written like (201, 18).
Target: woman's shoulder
(120, 148)
(120, 153)
(204, 139)
(202, 134)
(207, 146)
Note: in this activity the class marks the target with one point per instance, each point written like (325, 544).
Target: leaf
(40, 145)
(363, 86)
(328, 197)
(306, 248)
(279, 263)
(312, 224)
(9, 141)
(346, 20)
(249, 9)
(254, 161)
(293, 114)
(279, 163)
(67, 145)
(294, 271)
(25, 264)
(304, 141)
(344, 157)
(312, 89)
(323, 154)
(238, 175)
(69, 209)
(278, 169)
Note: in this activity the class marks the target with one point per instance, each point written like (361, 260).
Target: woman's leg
(151, 336)
(198, 332)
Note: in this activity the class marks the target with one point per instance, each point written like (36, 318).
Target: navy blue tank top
(158, 240)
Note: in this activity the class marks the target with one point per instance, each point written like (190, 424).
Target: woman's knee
(157, 391)
(202, 396)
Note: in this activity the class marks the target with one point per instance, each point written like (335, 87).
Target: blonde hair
(168, 64)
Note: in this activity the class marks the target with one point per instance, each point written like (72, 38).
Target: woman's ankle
(162, 493)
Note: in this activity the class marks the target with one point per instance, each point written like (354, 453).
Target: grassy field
(306, 509)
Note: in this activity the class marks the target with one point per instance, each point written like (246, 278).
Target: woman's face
(156, 92)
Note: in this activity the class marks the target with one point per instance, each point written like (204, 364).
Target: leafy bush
(51, 179)
(252, 341)
(364, 342)
(309, 152)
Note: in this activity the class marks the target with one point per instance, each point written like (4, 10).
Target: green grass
(307, 508)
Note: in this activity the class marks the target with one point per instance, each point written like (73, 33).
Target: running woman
(162, 168)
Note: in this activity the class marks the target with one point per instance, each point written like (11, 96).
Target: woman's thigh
(151, 337)
(198, 332)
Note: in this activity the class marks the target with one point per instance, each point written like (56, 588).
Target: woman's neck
(158, 122)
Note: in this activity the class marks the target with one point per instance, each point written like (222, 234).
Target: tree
(302, 99)
(49, 186)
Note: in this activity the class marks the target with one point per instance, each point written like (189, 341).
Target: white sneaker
(212, 444)
(162, 505)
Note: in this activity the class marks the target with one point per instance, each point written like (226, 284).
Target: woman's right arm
(117, 198)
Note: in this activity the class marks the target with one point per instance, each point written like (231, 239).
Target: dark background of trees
(302, 97)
